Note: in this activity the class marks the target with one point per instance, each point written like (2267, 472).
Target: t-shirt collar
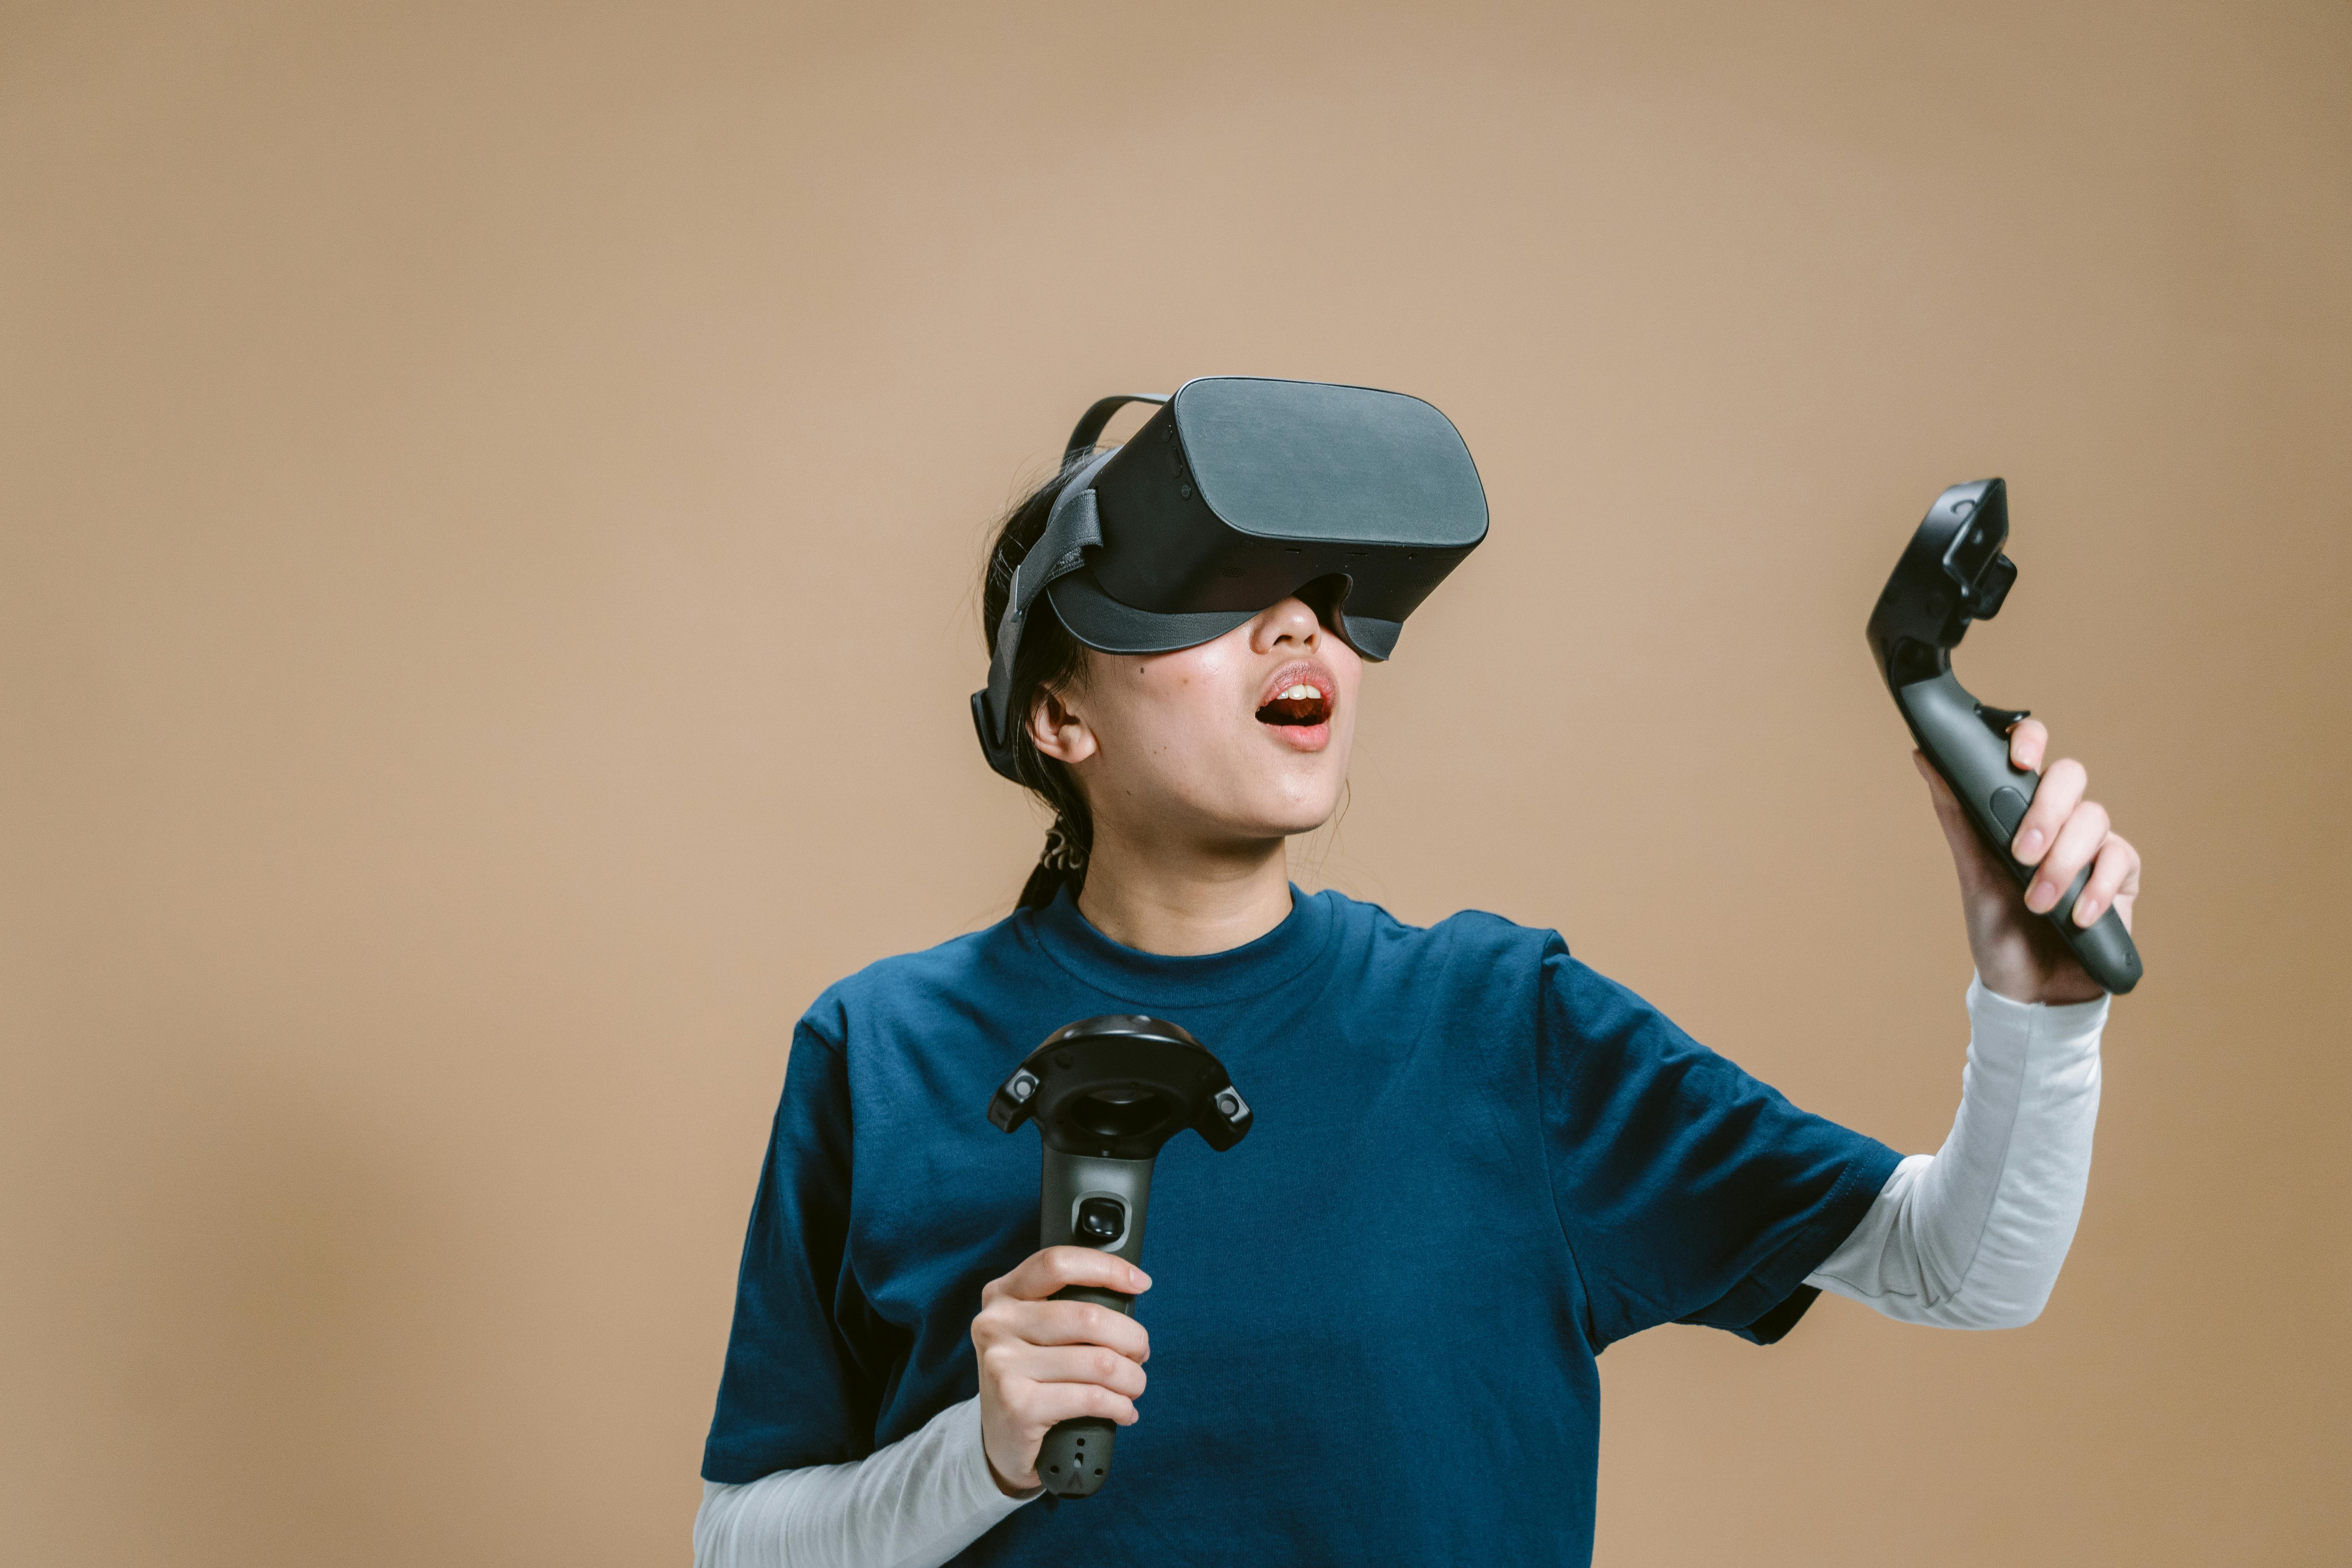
(1287, 953)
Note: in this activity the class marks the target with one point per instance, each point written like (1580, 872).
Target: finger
(1038, 1406)
(2029, 743)
(1050, 1322)
(1073, 1363)
(1055, 1268)
(2060, 792)
(2116, 870)
(1077, 1323)
(2078, 841)
(1012, 1322)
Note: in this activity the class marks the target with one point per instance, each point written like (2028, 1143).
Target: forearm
(913, 1504)
(1973, 1235)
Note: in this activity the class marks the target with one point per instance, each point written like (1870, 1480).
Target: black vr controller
(1105, 1093)
(1954, 573)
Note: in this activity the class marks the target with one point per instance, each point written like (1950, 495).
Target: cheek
(1348, 674)
(1165, 703)
(1347, 669)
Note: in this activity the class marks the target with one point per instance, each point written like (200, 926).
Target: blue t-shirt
(1474, 1163)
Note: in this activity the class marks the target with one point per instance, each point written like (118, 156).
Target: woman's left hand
(2017, 954)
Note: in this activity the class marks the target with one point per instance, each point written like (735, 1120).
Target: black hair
(1049, 656)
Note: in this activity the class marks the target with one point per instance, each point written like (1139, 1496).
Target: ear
(1057, 732)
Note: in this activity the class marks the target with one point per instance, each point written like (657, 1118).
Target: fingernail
(1142, 1280)
(2030, 845)
(2085, 911)
(2039, 896)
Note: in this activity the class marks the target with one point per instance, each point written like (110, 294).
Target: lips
(1298, 696)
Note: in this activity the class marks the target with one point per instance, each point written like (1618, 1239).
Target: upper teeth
(1302, 692)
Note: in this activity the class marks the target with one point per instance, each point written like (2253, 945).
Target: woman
(1474, 1163)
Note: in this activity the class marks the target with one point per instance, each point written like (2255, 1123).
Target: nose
(1291, 621)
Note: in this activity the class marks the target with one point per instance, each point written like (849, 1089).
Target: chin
(1303, 809)
(1291, 827)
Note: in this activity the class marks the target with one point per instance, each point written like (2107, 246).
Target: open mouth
(1298, 700)
(1300, 704)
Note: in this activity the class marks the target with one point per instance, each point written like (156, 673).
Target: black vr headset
(1238, 493)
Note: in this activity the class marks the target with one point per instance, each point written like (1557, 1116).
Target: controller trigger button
(2000, 720)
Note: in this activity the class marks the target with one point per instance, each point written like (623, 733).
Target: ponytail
(1062, 865)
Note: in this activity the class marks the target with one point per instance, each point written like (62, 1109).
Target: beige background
(491, 495)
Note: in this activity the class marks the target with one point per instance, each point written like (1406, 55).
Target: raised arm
(1973, 1235)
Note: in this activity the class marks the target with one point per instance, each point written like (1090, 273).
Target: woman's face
(1244, 738)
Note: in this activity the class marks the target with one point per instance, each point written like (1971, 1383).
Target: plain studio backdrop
(492, 496)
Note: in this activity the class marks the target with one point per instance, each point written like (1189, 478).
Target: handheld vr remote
(1953, 572)
(1105, 1093)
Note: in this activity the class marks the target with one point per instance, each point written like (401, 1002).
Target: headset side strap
(1072, 527)
(1091, 424)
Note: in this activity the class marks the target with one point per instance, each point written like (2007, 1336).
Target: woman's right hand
(1041, 1362)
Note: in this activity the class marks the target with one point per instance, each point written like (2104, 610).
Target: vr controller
(1953, 572)
(1105, 1093)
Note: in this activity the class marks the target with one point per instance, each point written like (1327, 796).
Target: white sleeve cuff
(1973, 1236)
(912, 1504)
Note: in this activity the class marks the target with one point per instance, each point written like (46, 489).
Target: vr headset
(1238, 493)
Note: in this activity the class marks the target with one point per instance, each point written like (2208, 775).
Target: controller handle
(1952, 572)
(1967, 743)
(1105, 1093)
(1089, 1201)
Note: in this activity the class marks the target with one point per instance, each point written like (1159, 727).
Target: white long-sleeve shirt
(1971, 1236)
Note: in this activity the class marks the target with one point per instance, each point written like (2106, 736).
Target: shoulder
(1471, 948)
(916, 987)
(1497, 956)
(1464, 932)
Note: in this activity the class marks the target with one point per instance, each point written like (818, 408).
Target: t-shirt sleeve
(804, 1376)
(1689, 1192)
